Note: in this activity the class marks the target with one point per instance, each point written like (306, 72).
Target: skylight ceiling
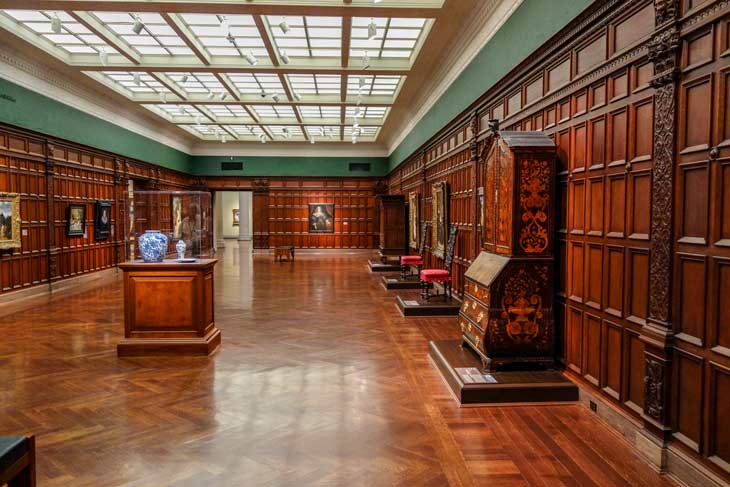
(326, 70)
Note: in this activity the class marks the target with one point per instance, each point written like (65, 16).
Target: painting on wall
(102, 220)
(440, 218)
(9, 221)
(321, 218)
(413, 220)
(236, 217)
(75, 220)
(177, 217)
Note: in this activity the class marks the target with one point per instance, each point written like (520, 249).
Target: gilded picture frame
(439, 218)
(75, 220)
(236, 217)
(102, 220)
(414, 220)
(10, 221)
(321, 218)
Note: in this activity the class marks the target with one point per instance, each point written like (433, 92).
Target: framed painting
(236, 217)
(321, 218)
(75, 220)
(9, 221)
(176, 213)
(102, 220)
(440, 218)
(414, 217)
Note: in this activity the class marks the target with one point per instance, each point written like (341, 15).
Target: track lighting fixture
(354, 141)
(56, 24)
(264, 94)
(225, 26)
(163, 97)
(223, 138)
(284, 26)
(372, 29)
(138, 25)
(137, 79)
(311, 140)
(297, 96)
(361, 82)
(321, 132)
(275, 97)
(263, 139)
(197, 120)
(284, 57)
(103, 56)
(355, 125)
(251, 59)
(184, 78)
(211, 95)
(222, 95)
(366, 61)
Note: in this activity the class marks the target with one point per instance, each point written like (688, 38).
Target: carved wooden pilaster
(51, 215)
(260, 189)
(121, 178)
(474, 157)
(664, 51)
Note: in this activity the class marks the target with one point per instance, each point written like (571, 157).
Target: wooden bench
(17, 461)
(284, 251)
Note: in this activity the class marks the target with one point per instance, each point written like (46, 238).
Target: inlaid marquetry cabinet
(506, 316)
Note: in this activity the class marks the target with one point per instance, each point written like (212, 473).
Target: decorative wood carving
(654, 388)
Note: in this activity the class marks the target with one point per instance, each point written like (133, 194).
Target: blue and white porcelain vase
(153, 246)
(180, 247)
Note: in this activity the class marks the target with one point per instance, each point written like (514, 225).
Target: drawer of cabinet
(481, 293)
(472, 333)
(474, 310)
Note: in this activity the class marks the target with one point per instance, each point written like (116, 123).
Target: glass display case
(178, 215)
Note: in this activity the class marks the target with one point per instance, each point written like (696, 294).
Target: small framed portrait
(413, 220)
(9, 221)
(236, 217)
(176, 211)
(102, 220)
(440, 218)
(321, 218)
(75, 220)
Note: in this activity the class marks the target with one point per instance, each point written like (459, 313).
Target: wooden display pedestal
(437, 306)
(398, 283)
(381, 267)
(461, 369)
(168, 309)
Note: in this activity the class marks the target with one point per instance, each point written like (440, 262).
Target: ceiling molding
(476, 35)
(54, 85)
(289, 149)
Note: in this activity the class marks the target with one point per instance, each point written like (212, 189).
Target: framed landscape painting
(413, 220)
(75, 220)
(321, 218)
(440, 216)
(102, 220)
(9, 221)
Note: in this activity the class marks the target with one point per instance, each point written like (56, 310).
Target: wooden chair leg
(424, 290)
(403, 272)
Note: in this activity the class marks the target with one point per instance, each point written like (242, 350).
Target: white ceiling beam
(266, 37)
(345, 46)
(177, 24)
(231, 64)
(228, 85)
(107, 35)
(170, 85)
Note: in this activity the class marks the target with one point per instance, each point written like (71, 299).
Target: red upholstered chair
(408, 260)
(440, 275)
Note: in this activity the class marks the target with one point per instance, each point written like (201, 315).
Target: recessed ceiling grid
(235, 71)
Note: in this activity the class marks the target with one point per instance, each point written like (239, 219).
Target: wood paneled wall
(50, 174)
(636, 96)
(281, 205)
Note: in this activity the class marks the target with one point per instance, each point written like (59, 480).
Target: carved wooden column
(380, 188)
(474, 154)
(121, 185)
(260, 213)
(657, 335)
(53, 251)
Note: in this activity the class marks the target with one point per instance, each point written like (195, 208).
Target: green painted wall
(530, 26)
(287, 166)
(28, 109)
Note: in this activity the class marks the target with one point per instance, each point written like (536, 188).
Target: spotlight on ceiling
(298, 96)
(372, 29)
(361, 82)
(210, 95)
(138, 25)
(225, 26)
(377, 1)
(284, 26)
(251, 59)
(366, 61)
(284, 57)
(197, 119)
(264, 94)
(56, 24)
(184, 78)
(311, 140)
(275, 97)
(137, 79)
(354, 141)
(163, 97)
(222, 95)
(359, 100)
(223, 138)
(263, 138)
(103, 56)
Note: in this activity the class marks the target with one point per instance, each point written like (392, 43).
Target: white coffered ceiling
(248, 71)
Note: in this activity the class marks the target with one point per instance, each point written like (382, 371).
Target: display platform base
(461, 369)
(136, 347)
(436, 306)
(398, 283)
(380, 267)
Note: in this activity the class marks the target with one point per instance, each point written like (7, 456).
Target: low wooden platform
(461, 370)
(390, 282)
(412, 306)
(380, 267)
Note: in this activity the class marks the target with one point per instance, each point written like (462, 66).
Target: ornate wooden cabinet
(393, 225)
(506, 316)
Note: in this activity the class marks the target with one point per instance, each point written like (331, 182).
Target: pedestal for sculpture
(168, 308)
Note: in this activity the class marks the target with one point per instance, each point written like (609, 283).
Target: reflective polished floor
(319, 382)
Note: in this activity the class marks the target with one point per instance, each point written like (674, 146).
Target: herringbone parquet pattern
(319, 382)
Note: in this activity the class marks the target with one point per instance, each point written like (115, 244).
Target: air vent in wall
(231, 166)
(359, 167)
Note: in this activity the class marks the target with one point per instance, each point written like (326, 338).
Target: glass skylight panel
(280, 131)
(141, 83)
(235, 111)
(380, 85)
(362, 131)
(324, 131)
(274, 111)
(255, 83)
(315, 84)
(74, 38)
(245, 130)
(156, 36)
(366, 112)
(309, 37)
(319, 112)
(197, 83)
(395, 37)
(215, 33)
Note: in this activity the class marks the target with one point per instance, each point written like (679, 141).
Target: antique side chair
(440, 275)
(408, 260)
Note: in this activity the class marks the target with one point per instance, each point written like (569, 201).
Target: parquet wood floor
(319, 382)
